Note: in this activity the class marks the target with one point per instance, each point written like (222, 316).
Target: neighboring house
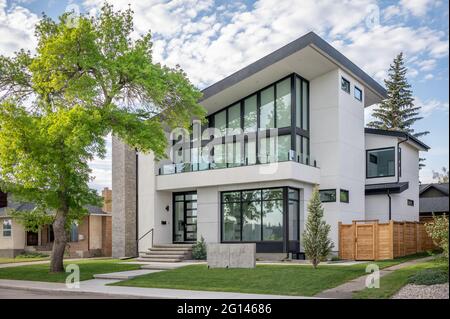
(291, 120)
(433, 200)
(91, 237)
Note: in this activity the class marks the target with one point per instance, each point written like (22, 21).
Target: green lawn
(264, 279)
(87, 269)
(392, 282)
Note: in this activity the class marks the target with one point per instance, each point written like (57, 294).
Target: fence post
(391, 240)
(354, 240)
(340, 239)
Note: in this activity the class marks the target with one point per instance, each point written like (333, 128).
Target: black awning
(385, 188)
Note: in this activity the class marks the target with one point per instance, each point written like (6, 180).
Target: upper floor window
(7, 227)
(250, 114)
(358, 93)
(344, 196)
(345, 85)
(267, 109)
(380, 162)
(410, 202)
(283, 103)
(327, 195)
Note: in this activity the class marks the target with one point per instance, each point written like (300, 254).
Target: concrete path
(22, 294)
(345, 291)
(98, 286)
(124, 275)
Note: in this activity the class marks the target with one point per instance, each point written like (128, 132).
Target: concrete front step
(173, 245)
(166, 252)
(164, 256)
(161, 260)
(170, 249)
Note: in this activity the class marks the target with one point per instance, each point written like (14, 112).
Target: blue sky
(212, 39)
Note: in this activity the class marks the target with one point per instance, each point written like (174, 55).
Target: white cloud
(429, 76)
(16, 28)
(417, 7)
(431, 106)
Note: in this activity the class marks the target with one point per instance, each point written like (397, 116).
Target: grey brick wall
(123, 200)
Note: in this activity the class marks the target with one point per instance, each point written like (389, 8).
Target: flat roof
(311, 40)
(384, 188)
(404, 135)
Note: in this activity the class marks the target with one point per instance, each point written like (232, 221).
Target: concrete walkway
(98, 286)
(345, 291)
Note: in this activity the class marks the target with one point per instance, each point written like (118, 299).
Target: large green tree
(89, 77)
(398, 112)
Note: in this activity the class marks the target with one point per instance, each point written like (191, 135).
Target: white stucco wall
(377, 206)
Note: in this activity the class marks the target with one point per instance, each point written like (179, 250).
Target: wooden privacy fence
(371, 240)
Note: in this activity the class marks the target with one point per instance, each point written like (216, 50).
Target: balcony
(187, 176)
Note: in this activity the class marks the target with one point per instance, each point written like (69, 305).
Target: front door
(32, 238)
(185, 217)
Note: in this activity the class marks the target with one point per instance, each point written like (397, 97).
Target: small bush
(32, 255)
(199, 250)
(429, 277)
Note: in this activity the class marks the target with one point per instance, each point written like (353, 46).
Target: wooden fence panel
(364, 240)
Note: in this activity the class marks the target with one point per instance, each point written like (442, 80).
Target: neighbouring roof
(384, 188)
(17, 206)
(310, 40)
(443, 188)
(404, 135)
(433, 204)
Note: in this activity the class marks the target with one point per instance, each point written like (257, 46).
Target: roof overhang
(386, 188)
(309, 56)
(408, 138)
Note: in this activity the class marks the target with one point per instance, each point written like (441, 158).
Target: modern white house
(279, 127)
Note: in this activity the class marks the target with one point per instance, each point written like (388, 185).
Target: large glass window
(233, 154)
(219, 156)
(267, 109)
(261, 213)
(305, 105)
(7, 226)
(381, 162)
(284, 103)
(250, 152)
(284, 147)
(250, 114)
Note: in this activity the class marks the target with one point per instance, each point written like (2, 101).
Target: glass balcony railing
(168, 169)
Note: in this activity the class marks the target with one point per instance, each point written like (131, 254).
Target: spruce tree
(397, 112)
(315, 237)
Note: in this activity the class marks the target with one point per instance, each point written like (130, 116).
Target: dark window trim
(378, 149)
(410, 202)
(359, 90)
(329, 189)
(348, 196)
(174, 195)
(344, 79)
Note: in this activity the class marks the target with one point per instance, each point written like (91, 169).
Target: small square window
(358, 93)
(410, 202)
(7, 226)
(344, 196)
(327, 195)
(345, 85)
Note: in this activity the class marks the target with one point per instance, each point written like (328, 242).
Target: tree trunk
(60, 241)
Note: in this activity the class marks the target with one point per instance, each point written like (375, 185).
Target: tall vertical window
(7, 226)
(220, 122)
(380, 162)
(358, 93)
(250, 114)
(305, 105)
(267, 109)
(298, 102)
(234, 119)
(283, 103)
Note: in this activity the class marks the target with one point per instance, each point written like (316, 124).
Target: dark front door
(32, 238)
(185, 217)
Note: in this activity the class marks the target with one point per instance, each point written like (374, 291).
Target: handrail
(150, 231)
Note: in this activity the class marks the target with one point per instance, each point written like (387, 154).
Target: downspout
(398, 175)
(137, 203)
(390, 204)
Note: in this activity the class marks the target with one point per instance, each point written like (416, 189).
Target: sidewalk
(98, 286)
(345, 291)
